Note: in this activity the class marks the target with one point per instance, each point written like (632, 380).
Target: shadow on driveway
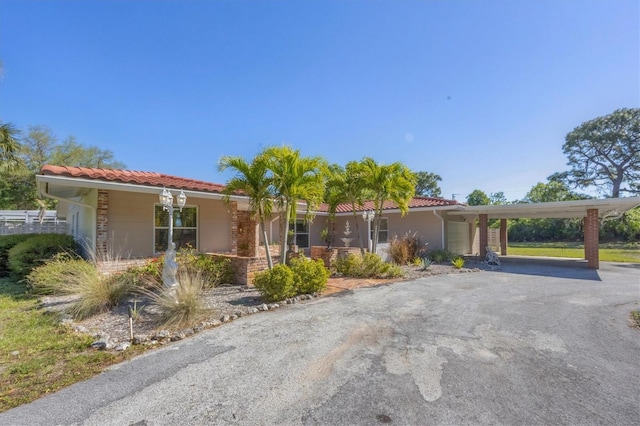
(575, 269)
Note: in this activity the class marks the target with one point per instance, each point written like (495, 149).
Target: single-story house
(119, 212)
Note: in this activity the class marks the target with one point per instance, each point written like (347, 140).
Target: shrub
(309, 276)
(404, 250)
(458, 262)
(275, 284)
(369, 266)
(52, 277)
(97, 293)
(7, 242)
(214, 270)
(32, 252)
(182, 305)
(440, 255)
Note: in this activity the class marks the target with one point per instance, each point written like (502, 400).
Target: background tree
(39, 146)
(605, 151)
(478, 198)
(427, 184)
(254, 181)
(10, 148)
(393, 182)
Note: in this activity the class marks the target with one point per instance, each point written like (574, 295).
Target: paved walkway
(522, 345)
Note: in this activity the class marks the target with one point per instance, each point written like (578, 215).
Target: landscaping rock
(122, 346)
(225, 318)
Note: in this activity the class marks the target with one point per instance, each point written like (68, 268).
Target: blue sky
(480, 92)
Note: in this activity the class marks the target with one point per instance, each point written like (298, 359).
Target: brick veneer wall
(247, 229)
(484, 238)
(113, 266)
(591, 239)
(102, 223)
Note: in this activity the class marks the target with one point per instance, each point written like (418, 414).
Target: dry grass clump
(182, 305)
(96, 293)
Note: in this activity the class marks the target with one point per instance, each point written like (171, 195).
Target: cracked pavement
(532, 343)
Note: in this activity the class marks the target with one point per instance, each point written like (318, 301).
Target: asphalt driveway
(531, 344)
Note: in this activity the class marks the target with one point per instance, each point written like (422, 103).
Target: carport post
(484, 234)
(591, 239)
(503, 237)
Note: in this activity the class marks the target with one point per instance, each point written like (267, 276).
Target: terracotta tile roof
(132, 177)
(159, 179)
(388, 205)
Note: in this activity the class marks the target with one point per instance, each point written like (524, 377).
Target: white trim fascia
(128, 187)
(456, 207)
(556, 209)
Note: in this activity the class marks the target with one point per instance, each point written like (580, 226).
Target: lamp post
(170, 265)
(368, 215)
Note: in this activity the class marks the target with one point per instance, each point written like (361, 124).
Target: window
(185, 228)
(301, 228)
(383, 232)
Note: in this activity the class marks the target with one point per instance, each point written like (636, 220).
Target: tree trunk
(355, 220)
(283, 248)
(266, 244)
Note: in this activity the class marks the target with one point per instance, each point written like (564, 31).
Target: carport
(591, 211)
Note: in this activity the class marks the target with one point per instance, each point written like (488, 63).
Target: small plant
(309, 276)
(417, 261)
(458, 262)
(182, 305)
(425, 263)
(635, 318)
(136, 311)
(275, 284)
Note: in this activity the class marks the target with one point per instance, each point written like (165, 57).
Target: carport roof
(560, 209)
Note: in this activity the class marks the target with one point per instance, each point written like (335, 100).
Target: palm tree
(295, 179)
(9, 148)
(393, 182)
(345, 185)
(254, 181)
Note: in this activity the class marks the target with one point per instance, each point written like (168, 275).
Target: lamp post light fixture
(170, 265)
(368, 215)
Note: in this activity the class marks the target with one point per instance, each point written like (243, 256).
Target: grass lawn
(609, 252)
(38, 354)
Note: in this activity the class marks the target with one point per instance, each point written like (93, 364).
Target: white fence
(14, 222)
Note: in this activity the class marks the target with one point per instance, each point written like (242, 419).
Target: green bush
(34, 251)
(7, 242)
(369, 266)
(53, 276)
(440, 256)
(275, 284)
(214, 270)
(309, 276)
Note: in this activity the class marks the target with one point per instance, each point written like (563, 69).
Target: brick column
(484, 237)
(591, 239)
(233, 210)
(503, 237)
(247, 228)
(102, 224)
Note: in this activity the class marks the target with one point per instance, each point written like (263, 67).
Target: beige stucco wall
(131, 230)
(425, 224)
